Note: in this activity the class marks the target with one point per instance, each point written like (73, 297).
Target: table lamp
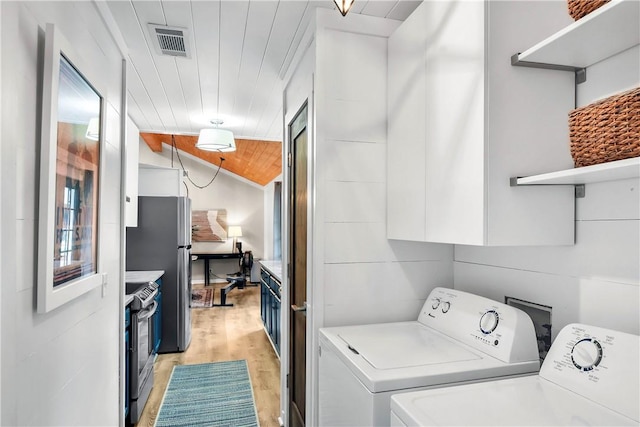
(235, 231)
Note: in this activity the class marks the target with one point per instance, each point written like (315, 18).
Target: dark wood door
(298, 260)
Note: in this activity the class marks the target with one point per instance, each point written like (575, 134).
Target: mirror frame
(50, 296)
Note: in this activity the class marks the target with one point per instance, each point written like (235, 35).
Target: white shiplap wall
(363, 277)
(62, 367)
(1, 203)
(596, 281)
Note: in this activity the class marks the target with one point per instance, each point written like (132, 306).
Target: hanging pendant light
(344, 6)
(216, 139)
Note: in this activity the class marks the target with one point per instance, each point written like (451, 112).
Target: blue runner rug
(209, 394)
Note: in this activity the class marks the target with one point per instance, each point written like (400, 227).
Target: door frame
(291, 196)
(290, 112)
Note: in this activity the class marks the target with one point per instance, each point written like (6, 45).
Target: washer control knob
(489, 322)
(446, 306)
(436, 303)
(586, 354)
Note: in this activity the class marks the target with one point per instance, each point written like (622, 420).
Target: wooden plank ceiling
(255, 160)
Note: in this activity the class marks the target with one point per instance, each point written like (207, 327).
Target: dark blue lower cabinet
(157, 323)
(272, 317)
(263, 301)
(268, 312)
(270, 308)
(276, 323)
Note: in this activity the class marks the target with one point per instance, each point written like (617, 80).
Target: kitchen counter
(273, 267)
(134, 280)
(142, 276)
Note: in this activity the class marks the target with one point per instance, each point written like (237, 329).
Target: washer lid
(392, 346)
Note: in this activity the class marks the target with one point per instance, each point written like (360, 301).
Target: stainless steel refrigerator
(162, 241)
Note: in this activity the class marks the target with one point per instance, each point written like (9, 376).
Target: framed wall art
(209, 225)
(70, 172)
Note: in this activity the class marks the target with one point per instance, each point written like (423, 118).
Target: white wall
(363, 277)
(597, 281)
(1, 209)
(243, 200)
(59, 368)
(269, 195)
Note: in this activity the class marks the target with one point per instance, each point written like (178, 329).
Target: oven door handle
(148, 312)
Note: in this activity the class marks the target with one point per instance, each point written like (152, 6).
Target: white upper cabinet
(132, 153)
(463, 121)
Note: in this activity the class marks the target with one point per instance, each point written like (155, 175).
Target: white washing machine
(589, 378)
(458, 338)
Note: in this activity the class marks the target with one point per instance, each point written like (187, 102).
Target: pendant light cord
(173, 139)
(219, 56)
(175, 148)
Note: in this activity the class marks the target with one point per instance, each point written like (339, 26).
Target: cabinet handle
(297, 308)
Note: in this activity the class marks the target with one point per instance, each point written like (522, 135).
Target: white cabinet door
(462, 121)
(406, 150)
(455, 99)
(132, 152)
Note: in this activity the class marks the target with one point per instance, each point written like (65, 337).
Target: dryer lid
(527, 400)
(392, 346)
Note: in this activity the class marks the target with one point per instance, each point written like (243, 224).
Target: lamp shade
(216, 140)
(344, 6)
(234, 231)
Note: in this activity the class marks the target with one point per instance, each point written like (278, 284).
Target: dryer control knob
(446, 306)
(586, 354)
(489, 322)
(436, 303)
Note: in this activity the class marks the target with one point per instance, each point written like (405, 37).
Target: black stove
(144, 309)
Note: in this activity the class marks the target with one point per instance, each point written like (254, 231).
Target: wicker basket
(580, 8)
(606, 130)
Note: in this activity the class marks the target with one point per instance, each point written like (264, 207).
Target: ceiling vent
(172, 41)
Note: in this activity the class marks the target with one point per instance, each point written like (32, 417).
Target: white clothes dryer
(458, 338)
(590, 377)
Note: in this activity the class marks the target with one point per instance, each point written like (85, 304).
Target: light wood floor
(226, 333)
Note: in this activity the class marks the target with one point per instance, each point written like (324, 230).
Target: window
(69, 214)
